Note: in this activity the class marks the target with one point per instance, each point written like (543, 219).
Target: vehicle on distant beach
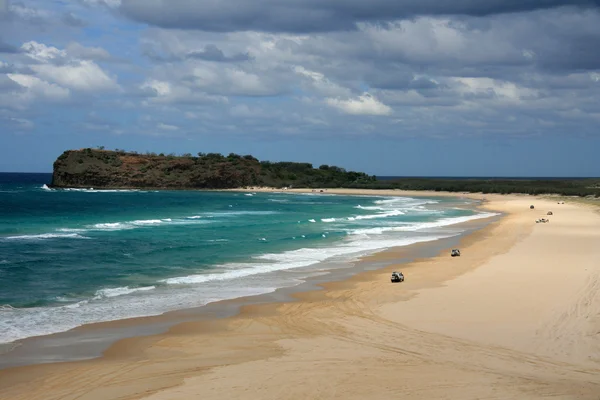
(542, 220)
(455, 253)
(531, 207)
(549, 213)
(397, 277)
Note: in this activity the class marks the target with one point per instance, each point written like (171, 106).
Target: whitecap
(120, 291)
(421, 225)
(48, 236)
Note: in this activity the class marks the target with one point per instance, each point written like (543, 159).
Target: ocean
(70, 257)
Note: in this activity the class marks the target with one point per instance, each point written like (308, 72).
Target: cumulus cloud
(57, 66)
(167, 127)
(163, 92)
(362, 105)
(37, 87)
(52, 74)
(73, 20)
(106, 3)
(77, 50)
(82, 75)
(213, 53)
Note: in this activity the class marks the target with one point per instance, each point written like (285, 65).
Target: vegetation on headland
(101, 168)
(565, 187)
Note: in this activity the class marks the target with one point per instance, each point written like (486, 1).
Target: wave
(422, 225)
(92, 190)
(328, 219)
(45, 187)
(393, 213)
(47, 236)
(120, 291)
(237, 213)
(294, 259)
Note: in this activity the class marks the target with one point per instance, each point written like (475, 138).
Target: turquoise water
(70, 257)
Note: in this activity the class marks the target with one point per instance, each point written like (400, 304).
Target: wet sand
(516, 316)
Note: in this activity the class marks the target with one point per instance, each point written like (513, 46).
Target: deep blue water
(70, 257)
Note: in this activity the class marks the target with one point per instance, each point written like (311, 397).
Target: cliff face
(117, 169)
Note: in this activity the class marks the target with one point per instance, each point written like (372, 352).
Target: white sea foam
(328, 219)
(121, 291)
(421, 225)
(237, 213)
(393, 213)
(305, 257)
(47, 236)
(45, 187)
(117, 226)
(312, 220)
(92, 190)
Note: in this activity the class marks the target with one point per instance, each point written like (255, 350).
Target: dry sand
(517, 316)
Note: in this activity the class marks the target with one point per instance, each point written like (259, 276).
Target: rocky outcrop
(97, 168)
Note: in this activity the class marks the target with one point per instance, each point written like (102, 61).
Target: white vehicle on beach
(397, 277)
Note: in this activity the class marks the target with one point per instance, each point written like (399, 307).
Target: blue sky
(389, 87)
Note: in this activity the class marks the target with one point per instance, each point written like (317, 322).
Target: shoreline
(100, 336)
(350, 340)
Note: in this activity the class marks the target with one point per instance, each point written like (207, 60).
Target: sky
(388, 87)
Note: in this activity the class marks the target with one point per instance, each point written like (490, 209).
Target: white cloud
(164, 92)
(317, 82)
(39, 88)
(80, 75)
(66, 69)
(505, 91)
(108, 3)
(42, 53)
(77, 50)
(22, 123)
(27, 13)
(167, 127)
(365, 104)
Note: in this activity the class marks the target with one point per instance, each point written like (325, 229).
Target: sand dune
(517, 316)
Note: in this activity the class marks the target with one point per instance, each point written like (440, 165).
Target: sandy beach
(517, 316)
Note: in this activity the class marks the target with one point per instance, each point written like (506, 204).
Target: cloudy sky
(389, 87)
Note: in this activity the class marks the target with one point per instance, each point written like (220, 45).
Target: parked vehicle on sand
(397, 277)
(455, 253)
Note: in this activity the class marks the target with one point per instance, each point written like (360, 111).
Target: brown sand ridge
(517, 316)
